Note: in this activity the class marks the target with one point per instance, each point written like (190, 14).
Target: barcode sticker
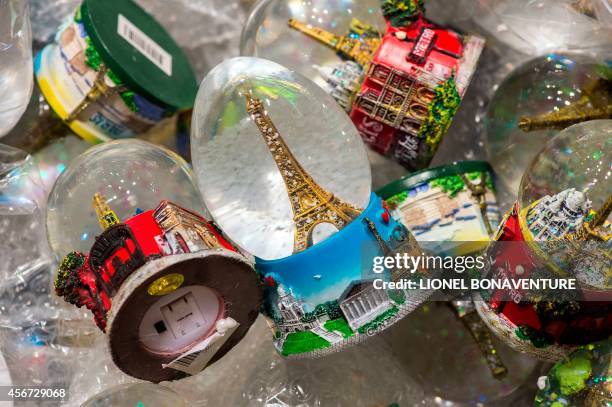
(145, 45)
(196, 359)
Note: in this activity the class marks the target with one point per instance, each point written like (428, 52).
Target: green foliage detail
(574, 373)
(402, 12)
(339, 325)
(94, 60)
(378, 321)
(453, 184)
(301, 342)
(397, 296)
(537, 338)
(396, 200)
(67, 280)
(329, 308)
(441, 111)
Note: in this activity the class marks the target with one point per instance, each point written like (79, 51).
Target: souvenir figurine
(284, 174)
(415, 74)
(452, 210)
(171, 294)
(112, 72)
(559, 229)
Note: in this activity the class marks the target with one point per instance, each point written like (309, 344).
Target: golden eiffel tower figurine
(310, 203)
(595, 103)
(360, 51)
(106, 216)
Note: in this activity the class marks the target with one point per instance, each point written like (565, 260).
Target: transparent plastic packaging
(16, 68)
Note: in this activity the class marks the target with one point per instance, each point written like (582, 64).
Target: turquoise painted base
(322, 299)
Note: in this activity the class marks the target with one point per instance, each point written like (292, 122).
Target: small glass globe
(580, 379)
(547, 84)
(132, 175)
(238, 174)
(566, 193)
(267, 34)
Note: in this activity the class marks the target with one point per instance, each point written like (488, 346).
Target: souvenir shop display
(305, 203)
(171, 294)
(401, 85)
(559, 229)
(284, 174)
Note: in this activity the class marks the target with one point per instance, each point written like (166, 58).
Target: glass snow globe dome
(566, 196)
(251, 176)
(129, 176)
(531, 104)
(267, 33)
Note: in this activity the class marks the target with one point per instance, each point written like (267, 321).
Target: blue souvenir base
(322, 299)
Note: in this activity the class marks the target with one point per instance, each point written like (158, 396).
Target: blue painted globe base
(323, 299)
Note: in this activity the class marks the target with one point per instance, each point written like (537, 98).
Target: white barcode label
(196, 359)
(145, 45)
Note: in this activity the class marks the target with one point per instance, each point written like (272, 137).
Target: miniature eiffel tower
(106, 216)
(478, 192)
(595, 103)
(310, 203)
(358, 50)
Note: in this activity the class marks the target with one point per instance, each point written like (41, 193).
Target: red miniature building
(412, 88)
(124, 247)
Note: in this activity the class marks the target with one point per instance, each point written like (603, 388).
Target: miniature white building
(361, 303)
(343, 82)
(555, 216)
(292, 312)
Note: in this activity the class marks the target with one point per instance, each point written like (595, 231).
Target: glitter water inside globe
(132, 175)
(566, 193)
(238, 173)
(268, 35)
(551, 83)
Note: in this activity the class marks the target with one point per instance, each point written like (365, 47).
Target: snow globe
(536, 101)
(559, 230)
(285, 175)
(169, 291)
(401, 80)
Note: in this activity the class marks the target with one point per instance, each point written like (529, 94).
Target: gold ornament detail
(589, 230)
(106, 216)
(310, 203)
(595, 103)
(359, 50)
(99, 89)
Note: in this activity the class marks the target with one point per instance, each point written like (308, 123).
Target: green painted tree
(67, 281)
(441, 112)
(400, 13)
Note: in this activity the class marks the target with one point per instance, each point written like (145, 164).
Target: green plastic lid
(140, 52)
(419, 177)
